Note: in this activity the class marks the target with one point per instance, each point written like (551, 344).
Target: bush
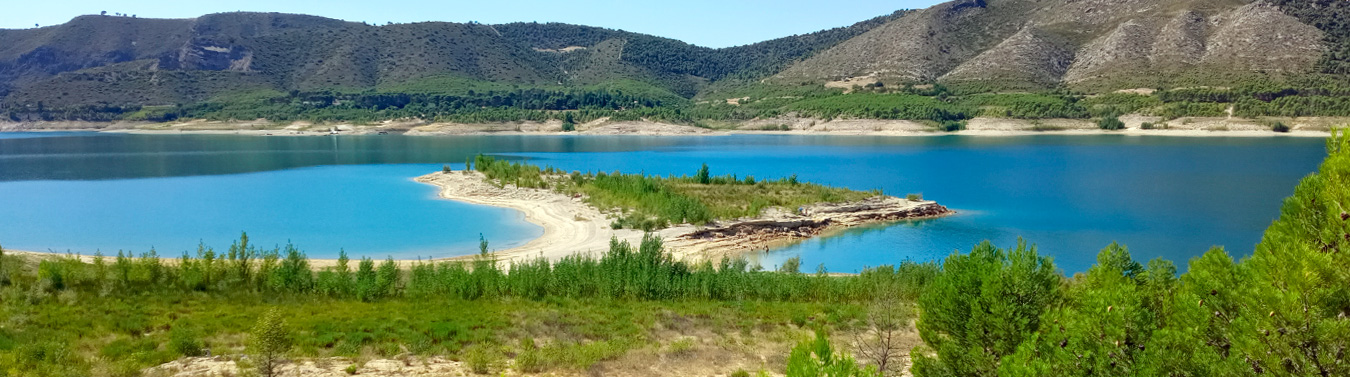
(1111, 122)
(529, 359)
(791, 266)
(269, 343)
(980, 308)
(682, 347)
(183, 341)
(813, 358)
(953, 125)
(481, 358)
(916, 197)
(1279, 127)
(1146, 126)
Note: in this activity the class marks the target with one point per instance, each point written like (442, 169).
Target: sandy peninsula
(573, 227)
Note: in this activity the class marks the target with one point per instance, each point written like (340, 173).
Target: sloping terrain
(975, 45)
(124, 60)
(1083, 43)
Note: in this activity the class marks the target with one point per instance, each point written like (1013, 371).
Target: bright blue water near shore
(1172, 197)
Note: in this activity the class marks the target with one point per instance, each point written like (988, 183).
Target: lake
(1071, 195)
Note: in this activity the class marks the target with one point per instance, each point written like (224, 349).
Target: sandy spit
(573, 227)
(570, 225)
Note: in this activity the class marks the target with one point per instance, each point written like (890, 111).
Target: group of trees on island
(654, 202)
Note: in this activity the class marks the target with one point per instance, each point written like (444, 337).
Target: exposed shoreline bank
(1188, 127)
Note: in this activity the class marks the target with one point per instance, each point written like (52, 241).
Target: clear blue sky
(712, 23)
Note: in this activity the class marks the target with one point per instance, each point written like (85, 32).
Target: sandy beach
(570, 226)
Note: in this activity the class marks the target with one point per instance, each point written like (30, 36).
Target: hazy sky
(712, 23)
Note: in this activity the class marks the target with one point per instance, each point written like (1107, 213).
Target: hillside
(131, 61)
(112, 68)
(1094, 44)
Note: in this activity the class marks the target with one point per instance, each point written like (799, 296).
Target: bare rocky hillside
(1085, 43)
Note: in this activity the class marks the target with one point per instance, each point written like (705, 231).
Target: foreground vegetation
(1281, 311)
(654, 202)
(116, 316)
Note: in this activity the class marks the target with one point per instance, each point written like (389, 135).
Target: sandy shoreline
(570, 226)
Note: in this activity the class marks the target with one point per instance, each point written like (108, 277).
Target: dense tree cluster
(1282, 311)
(1331, 17)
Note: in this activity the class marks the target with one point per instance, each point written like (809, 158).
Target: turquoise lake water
(1171, 197)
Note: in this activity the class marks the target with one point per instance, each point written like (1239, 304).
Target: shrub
(529, 359)
(269, 342)
(351, 369)
(1279, 127)
(1110, 122)
(183, 341)
(915, 197)
(791, 265)
(980, 307)
(446, 169)
(1146, 126)
(569, 123)
(953, 125)
(816, 357)
(740, 373)
(682, 347)
(481, 358)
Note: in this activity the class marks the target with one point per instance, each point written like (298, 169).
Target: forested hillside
(240, 65)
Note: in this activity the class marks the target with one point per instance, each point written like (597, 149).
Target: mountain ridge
(980, 45)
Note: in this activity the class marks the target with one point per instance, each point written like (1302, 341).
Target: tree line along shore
(1282, 310)
(1272, 106)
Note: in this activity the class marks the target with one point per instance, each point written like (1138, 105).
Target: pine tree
(269, 343)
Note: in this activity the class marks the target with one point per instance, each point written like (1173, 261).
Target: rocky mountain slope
(1082, 43)
(1089, 45)
(123, 60)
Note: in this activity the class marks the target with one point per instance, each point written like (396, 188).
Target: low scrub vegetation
(653, 202)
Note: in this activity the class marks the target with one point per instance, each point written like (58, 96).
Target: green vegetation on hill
(653, 202)
(1329, 16)
(457, 99)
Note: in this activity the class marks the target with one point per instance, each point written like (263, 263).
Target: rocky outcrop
(811, 221)
(1030, 56)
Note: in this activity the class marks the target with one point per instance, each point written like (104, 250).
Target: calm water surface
(1172, 197)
